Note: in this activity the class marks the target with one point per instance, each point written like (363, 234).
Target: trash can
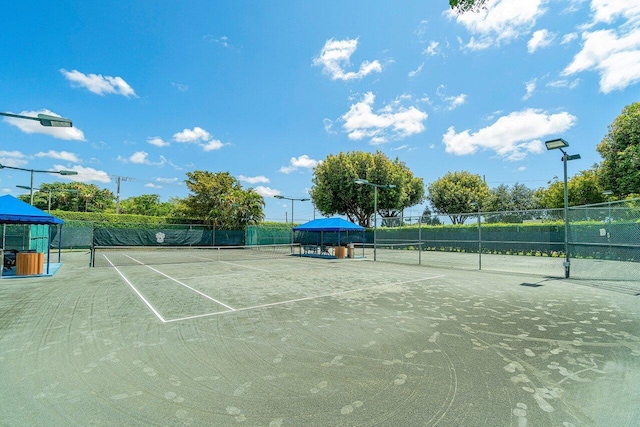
(28, 263)
(340, 251)
(351, 251)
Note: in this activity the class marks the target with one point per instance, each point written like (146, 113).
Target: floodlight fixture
(554, 144)
(44, 119)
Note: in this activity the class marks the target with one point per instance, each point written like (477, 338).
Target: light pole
(375, 208)
(44, 119)
(60, 172)
(49, 191)
(559, 144)
(292, 200)
(277, 196)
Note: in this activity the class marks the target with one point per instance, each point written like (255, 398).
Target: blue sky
(267, 89)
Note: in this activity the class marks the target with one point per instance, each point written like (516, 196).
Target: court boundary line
(147, 303)
(310, 298)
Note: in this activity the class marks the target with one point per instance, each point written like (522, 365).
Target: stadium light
(44, 119)
(361, 181)
(559, 144)
(60, 172)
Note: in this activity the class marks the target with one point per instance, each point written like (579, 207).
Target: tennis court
(291, 341)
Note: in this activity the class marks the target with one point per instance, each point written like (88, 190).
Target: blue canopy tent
(325, 232)
(15, 211)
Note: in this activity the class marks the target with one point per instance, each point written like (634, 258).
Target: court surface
(299, 341)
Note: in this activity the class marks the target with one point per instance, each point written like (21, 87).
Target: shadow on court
(297, 341)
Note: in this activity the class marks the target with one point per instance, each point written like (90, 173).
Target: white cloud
(501, 22)
(85, 174)
(417, 71)
(614, 53)
(607, 11)
(13, 158)
(455, 101)
(530, 87)
(157, 141)
(214, 144)
(393, 121)
(564, 83)
(336, 55)
(141, 158)
(432, 49)
(568, 38)
(295, 163)
(540, 39)
(99, 84)
(266, 191)
(616, 58)
(33, 126)
(254, 179)
(168, 180)
(328, 125)
(197, 134)
(511, 137)
(59, 155)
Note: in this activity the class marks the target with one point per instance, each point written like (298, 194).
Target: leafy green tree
(220, 198)
(508, 203)
(457, 193)
(146, 204)
(334, 189)
(461, 6)
(73, 196)
(61, 196)
(620, 150)
(583, 189)
(428, 218)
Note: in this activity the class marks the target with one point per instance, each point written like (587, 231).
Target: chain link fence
(603, 241)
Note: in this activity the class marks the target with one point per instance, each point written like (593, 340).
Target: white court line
(190, 288)
(182, 284)
(245, 266)
(333, 294)
(153, 310)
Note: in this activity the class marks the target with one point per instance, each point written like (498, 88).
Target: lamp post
(49, 191)
(375, 208)
(44, 119)
(60, 172)
(277, 196)
(292, 200)
(559, 144)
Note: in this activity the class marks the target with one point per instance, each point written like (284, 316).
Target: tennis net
(110, 256)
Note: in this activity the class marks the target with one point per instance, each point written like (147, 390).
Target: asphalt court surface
(291, 342)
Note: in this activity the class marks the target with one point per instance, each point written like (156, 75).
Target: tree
(220, 198)
(335, 192)
(503, 201)
(73, 196)
(457, 193)
(428, 219)
(462, 6)
(583, 189)
(146, 204)
(620, 150)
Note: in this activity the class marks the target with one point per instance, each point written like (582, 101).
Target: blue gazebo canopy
(15, 211)
(329, 224)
